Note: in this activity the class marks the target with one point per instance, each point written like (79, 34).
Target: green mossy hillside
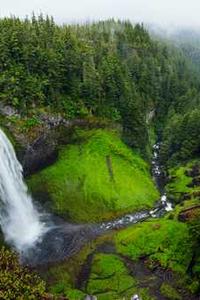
(96, 178)
(165, 241)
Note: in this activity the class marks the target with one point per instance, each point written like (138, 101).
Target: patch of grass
(163, 241)
(169, 292)
(75, 294)
(97, 178)
(144, 294)
(110, 277)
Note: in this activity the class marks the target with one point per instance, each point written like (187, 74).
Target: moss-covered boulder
(166, 242)
(97, 177)
(109, 278)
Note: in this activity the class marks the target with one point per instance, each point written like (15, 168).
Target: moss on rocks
(170, 292)
(159, 241)
(74, 294)
(109, 278)
(182, 182)
(61, 282)
(96, 178)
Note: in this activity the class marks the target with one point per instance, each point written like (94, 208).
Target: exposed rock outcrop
(37, 146)
(44, 149)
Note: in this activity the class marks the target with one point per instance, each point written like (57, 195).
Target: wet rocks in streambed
(59, 243)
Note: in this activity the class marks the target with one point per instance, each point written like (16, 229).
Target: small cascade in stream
(19, 219)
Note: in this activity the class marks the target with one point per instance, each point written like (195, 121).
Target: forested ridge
(109, 69)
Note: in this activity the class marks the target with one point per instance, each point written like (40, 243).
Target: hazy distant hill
(187, 39)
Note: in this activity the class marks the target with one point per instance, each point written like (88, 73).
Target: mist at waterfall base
(41, 238)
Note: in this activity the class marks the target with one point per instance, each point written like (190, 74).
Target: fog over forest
(169, 14)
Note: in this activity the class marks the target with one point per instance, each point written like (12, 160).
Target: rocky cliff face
(37, 144)
(40, 153)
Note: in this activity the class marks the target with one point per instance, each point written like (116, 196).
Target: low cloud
(177, 13)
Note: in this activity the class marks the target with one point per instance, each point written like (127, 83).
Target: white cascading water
(157, 172)
(19, 219)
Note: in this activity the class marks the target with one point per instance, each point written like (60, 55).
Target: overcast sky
(162, 12)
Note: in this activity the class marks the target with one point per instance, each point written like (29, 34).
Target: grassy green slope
(96, 178)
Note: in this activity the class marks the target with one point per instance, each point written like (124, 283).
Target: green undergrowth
(16, 281)
(183, 206)
(109, 278)
(179, 181)
(61, 280)
(17, 127)
(158, 240)
(96, 178)
(169, 292)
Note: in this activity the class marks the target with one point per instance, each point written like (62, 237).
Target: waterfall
(19, 219)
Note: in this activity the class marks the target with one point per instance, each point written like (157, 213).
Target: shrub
(17, 282)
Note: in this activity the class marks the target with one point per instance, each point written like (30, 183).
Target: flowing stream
(159, 178)
(40, 239)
